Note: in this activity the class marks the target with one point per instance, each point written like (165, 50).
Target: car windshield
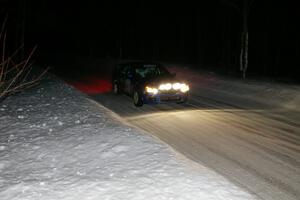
(150, 70)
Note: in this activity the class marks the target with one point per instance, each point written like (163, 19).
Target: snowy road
(258, 149)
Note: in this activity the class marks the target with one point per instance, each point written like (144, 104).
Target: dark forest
(207, 34)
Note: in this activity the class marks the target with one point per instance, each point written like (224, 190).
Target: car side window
(127, 72)
(139, 72)
(122, 70)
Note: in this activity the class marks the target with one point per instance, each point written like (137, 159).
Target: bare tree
(243, 10)
(15, 75)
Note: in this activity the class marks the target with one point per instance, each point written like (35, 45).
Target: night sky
(206, 33)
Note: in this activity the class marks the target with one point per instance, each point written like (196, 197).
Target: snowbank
(56, 143)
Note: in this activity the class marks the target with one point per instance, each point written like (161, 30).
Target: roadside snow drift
(56, 143)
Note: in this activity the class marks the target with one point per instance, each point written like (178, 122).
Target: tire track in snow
(257, 150)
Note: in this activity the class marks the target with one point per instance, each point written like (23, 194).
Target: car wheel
(137, 99)
(183, 100)
(116, 88)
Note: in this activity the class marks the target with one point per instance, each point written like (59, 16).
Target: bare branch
(15, 67)
(15, 76)
(3, 27)
(3, 56)
(30, 55)
(24, 85)
(16, 51)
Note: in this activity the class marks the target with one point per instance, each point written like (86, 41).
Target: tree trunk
(244, 11)
(242, 53)
(245, 41)
(246, 55)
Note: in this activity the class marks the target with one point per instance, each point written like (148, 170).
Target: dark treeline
(206, 33)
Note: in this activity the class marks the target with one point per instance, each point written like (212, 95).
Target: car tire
(116, 88)
(183, 100)
(137, 99)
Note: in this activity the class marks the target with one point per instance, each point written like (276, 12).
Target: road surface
(257, 149)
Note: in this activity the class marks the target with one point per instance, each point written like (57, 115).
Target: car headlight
(151, 90)
(167, 86)
(176, 86)
(184, 87)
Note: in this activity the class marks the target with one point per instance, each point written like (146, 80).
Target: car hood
(156, 81)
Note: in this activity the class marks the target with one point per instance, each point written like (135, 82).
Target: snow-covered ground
(248, 131)
(247, 94)
(56, 143)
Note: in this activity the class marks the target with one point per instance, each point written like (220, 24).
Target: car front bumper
(165, 97)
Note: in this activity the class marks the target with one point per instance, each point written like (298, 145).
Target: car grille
(170, 98)
(169, 92)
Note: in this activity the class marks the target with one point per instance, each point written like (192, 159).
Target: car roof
(139, 62)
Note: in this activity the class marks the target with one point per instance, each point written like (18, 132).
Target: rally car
(148, 82)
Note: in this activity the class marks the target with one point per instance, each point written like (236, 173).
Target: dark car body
(138, 78)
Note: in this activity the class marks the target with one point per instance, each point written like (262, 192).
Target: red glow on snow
(93, 85)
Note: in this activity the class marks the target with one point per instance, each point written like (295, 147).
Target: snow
(249, 94)
(56, 143)
(246, 130)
